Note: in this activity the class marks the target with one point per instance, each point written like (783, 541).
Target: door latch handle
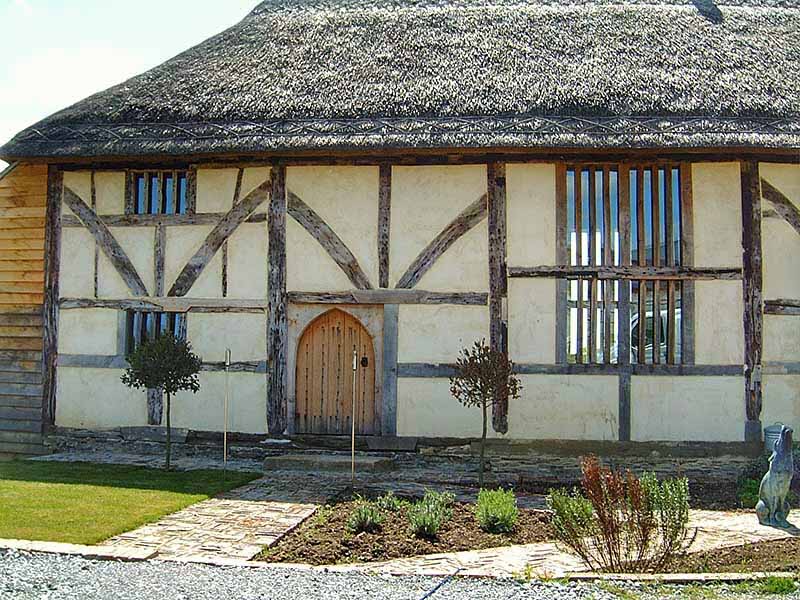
(364, 361)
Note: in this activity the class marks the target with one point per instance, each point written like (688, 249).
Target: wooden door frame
(301, 316)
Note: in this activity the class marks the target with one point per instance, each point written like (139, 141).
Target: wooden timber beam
(498, 283)
(782, 306)
(327, 238)
(211, 218)
(784, 207)
(52, 262)
(389, 296)
(107, 242)
(167, 304)
(464, 222)
(217, 237)
(627, 272)
(752, 295)
(384, 223)
(278, 324)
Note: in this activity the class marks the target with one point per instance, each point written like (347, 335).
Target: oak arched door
(324, 377)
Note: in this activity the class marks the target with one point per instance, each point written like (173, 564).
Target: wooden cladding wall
(23, 199)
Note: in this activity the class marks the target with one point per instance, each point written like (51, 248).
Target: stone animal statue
(773, 506)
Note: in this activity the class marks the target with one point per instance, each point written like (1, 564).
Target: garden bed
(773, 556)
(326, 539)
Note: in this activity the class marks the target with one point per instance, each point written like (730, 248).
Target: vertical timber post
(753, 297)
(384, 223)
(498, 283)
(52, 260)
(277, 327)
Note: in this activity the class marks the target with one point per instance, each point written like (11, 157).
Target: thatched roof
(313, 74)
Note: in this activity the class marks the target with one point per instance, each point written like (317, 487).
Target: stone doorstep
(328, 462)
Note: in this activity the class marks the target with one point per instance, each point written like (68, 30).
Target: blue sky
(55, 52)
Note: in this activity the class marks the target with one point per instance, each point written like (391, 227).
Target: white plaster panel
(781, 338)
(781, 400)
(110, 189)
(436, 334)
(204, 411)
(79, 182)
(182, 243)
(779, 240)
(780, 243)
(88, 331)
(251, 179)
(464, 267)
(308, 267)
(426, 408)
(565, 407)
(244, 333)
(695, 409)
(247, 261)
(137, 242)
(717, 200)
(346, 198)
(425, 199)
(532, 320)
(531, 214)
(215, 189)
(97, 399)
(719, 330)
(77, 263)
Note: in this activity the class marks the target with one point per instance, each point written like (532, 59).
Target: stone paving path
(234, 527)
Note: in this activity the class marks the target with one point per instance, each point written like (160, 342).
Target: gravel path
(26, 576)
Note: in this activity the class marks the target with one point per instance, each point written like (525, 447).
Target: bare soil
(325, 539)
(780, 555)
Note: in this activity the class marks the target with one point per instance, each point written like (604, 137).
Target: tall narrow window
(617, 217)
(144, 326)
(160, 192)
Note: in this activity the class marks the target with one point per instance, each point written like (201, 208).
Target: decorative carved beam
(213, 242)
(469, 218)
(781, 204)
(327, 238)
(390, 297)
(107, 242)
(627, 272)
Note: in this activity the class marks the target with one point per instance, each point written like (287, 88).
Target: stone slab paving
(235, 525)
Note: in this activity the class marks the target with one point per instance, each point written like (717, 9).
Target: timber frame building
(608, 192)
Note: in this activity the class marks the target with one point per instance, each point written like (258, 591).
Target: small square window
(160, 193)
(144, 326)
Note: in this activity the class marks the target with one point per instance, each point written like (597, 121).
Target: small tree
(483, 378)
(166, 363)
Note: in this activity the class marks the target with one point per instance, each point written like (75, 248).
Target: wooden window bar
(613, 205)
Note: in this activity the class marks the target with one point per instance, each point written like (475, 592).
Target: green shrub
(427, 515)
(622, 523)
(497, 510)
(390, 503)
(748, 493)
(366, 516)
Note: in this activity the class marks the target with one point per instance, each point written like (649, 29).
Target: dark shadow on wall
(709, 10)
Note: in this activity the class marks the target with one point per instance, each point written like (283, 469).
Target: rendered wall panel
(436, 334)
(88, 331)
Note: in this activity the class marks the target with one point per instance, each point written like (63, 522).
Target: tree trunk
(483, 447)
(169, 431)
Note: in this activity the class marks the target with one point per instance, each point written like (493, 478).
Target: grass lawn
(82, 503)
